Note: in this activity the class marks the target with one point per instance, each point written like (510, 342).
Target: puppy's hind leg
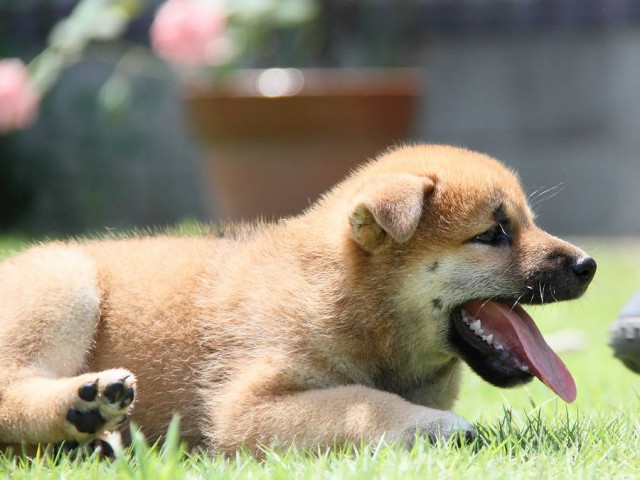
(49, 310)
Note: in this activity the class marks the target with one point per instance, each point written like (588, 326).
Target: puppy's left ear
(392, 205)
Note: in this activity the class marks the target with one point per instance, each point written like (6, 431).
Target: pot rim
(287, 82)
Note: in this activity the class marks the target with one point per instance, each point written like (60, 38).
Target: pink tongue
(519, 333)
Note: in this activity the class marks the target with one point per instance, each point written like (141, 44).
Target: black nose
(584, 268)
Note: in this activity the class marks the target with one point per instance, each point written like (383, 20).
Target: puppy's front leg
(324, 417)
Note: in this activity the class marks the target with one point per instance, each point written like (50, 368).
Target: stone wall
(561, 108)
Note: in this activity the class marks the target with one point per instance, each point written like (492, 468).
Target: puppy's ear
(390, 205)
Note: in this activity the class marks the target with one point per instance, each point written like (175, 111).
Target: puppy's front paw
(441, 427)
(103, 403)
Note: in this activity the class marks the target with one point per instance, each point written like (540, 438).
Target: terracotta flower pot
(276, 139)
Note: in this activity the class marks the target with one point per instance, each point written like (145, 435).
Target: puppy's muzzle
(560, 277)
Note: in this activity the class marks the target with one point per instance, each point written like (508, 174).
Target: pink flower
(190, 32)
(19, 100)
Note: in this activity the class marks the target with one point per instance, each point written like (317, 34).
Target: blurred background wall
(552, 88)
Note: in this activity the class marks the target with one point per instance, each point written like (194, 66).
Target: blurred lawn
(9, 245)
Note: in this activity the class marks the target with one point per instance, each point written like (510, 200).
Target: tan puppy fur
(333, 326)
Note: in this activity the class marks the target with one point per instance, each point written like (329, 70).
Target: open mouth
(504, 346)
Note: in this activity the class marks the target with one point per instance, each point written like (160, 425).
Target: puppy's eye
(495, 236)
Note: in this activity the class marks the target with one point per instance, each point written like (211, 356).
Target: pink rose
(190, 32)
(19, 100)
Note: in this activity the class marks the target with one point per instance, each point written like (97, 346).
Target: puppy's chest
(400, 381)
(390, 380)
(420, 385)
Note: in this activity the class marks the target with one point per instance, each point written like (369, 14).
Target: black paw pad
(86, 422)
(102, 448)
(65, 447)
(74, 450)
(88, 392)
(127, 397)
(114, 391)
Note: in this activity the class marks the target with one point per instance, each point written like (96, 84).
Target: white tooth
(524, 368)
(479, 331)
(476, 325)
(498, 347)
(489, 338)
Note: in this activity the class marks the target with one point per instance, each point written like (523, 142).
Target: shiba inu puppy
(346, 323)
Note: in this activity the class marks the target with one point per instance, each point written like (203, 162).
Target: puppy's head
(452, 232)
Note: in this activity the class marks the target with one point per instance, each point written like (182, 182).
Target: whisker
(541, 192)
(533, 195)
(517, 301)
(485, 302)
(445, 387)
(538, 197)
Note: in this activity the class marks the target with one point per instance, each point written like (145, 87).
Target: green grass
(523, 433)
